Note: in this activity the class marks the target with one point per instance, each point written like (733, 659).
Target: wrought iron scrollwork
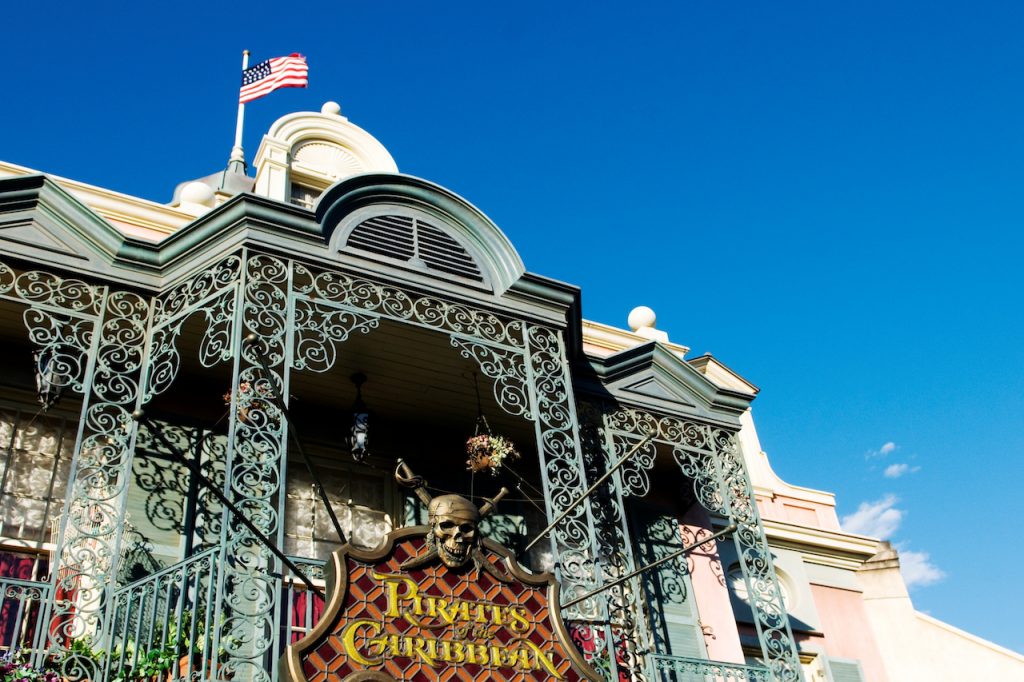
(46, 290)
(64, 341)
(677, 668)
(183, 298)
(95, 515)
(210, 292)
(318, 327)
(756, 559)
(625, 632)
(562, 465)
(507, 368)
(254, 470)
(710, 457)
(395, 303)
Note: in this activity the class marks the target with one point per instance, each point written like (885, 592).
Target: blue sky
(827, 198)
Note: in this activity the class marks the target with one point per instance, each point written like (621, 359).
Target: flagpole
(237, 160)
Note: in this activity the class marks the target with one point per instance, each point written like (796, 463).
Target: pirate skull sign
(454, 534)
(453, 528)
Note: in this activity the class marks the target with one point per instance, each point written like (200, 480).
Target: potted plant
(14, 667)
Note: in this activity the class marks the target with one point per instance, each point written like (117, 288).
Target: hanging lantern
(360, 432)
(50, 382)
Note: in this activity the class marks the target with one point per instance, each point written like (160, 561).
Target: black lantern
(360, 434)
(50, 382)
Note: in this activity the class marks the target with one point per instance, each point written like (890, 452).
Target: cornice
(155, 218)
(608, 340)
(825, 547)
(722, 375)
(41, 192)
(36, 202)
(655, 360)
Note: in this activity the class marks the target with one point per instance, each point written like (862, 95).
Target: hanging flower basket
(489, 453)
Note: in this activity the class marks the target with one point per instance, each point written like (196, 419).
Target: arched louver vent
(386, 235)
(415, 241)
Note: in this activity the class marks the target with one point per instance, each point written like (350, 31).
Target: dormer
(304, 153)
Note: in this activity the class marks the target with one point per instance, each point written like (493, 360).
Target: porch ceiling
(417, 383)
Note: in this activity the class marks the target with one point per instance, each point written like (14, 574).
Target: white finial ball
(331, 108)
(197, 193)
(641, 316)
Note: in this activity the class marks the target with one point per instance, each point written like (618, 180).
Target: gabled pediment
(37, 236)
(43, 223)
(653, 377)
(656, 388)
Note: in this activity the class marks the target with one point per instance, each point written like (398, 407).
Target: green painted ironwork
(709, 456)
(167, 614)
(680, 669)
(119, 355)
(23, 603)
(96, 336)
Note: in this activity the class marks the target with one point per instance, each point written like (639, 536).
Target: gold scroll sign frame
(383, 624)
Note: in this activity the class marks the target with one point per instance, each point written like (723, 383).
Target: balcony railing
(168, 615)
(174, 614)
(21, 605)
(679, 669)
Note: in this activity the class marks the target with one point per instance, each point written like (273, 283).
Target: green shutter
(673, 610)
(844, 670)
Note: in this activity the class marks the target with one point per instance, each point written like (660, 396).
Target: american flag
(279, 72)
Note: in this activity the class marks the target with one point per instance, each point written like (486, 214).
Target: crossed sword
(405, 477)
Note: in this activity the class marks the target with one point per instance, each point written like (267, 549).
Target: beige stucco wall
(918, 647)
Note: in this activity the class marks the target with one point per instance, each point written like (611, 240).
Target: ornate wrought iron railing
(165, 620)
(173, 617)
(21, 611)
(679, 669)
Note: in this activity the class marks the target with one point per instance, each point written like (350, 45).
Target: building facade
(209, 368)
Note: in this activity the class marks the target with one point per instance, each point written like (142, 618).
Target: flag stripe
(267, 76)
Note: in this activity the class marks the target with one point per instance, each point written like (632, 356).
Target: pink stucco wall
(848, 633)
(798, 511)
(710, 591)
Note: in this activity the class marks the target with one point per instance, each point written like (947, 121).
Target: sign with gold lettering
(436, 603)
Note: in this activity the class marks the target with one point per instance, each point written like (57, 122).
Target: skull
(453, 528)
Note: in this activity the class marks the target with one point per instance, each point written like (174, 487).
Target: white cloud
(887, 448)
(879, 519)
(897, 470)
(918, 570)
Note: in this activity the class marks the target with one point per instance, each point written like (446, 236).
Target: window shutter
(844, 670)
(674, 619)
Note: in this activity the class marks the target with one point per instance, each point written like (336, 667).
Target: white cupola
(304, 153)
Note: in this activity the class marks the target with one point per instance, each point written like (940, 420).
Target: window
(304, 195)
(363, 501)
(34, 467)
